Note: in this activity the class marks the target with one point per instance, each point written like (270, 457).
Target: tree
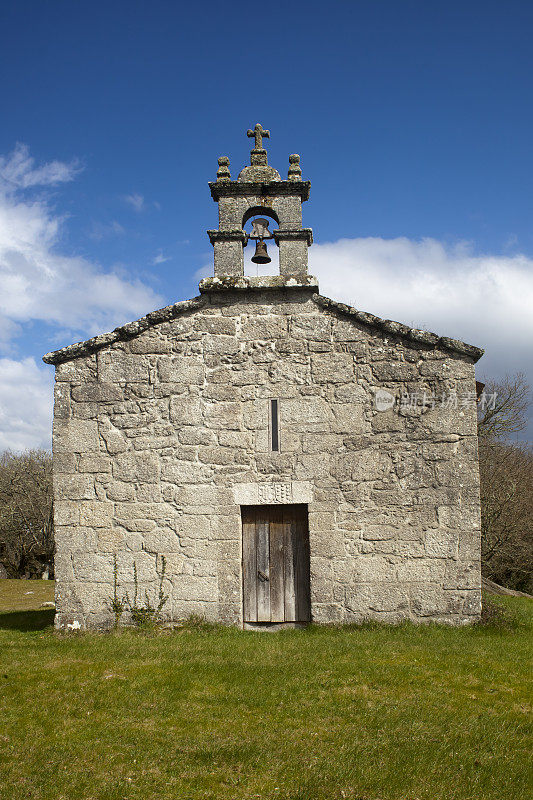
(26, 512)
(506, 474)
(503, 408)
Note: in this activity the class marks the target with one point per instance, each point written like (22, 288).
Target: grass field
(395, 713)
(17, 595)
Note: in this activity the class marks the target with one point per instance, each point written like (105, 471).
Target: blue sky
(413, 121)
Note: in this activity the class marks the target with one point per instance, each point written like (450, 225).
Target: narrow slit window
(274, 425)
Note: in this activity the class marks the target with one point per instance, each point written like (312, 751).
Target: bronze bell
(261, 254)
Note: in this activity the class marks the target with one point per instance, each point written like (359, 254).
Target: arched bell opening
(261, 254)
(261, 211)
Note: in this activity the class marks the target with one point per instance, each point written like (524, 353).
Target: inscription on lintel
(272, 493)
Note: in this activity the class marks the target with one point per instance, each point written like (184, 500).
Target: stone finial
(223, 173)
(258, 156)
(259, 133)
(295, 171)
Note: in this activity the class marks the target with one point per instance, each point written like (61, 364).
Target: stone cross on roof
(259, 133)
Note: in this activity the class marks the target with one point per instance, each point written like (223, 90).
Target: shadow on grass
(27, 620)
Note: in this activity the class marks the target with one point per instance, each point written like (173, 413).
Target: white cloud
(136, 201)
(485, 300)
(17, 170)
(159, 258)
(101, 230)
(39, 283)
(25, 404)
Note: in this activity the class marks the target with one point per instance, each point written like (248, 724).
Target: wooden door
(275, 547)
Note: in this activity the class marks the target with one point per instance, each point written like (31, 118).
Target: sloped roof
(208, 285)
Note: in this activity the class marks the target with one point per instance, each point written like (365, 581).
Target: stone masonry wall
(153, 435)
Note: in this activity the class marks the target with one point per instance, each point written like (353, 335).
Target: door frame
(292, 568)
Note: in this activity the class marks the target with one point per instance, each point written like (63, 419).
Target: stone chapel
(285, 458)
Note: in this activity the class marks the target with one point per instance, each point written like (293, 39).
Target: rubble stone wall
(155, 438)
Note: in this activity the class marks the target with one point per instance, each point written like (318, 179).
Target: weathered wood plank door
(275, 549)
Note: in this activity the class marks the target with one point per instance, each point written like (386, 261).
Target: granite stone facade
(161, 434)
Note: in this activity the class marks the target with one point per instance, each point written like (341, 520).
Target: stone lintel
(286, 492)
(261, 283)
(261, 188)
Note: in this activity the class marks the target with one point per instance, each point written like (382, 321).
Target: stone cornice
(124, 332)
(283, 234)
(258, 284)
(227, 236)
(261, 188)
(397, 329)
(266, 283)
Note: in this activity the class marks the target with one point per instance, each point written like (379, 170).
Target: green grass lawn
(396, 713)
(17, 595)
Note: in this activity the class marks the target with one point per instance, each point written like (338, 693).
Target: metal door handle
(262, 576)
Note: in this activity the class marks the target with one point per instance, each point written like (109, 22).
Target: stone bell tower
(260, 192)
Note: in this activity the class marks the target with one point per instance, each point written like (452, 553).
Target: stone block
(428, 600)
(114, 439)
(79, 369)
(148, 493)
(97, 392)
(62, 408)
(110, 540)
(224, 345)
(190, 435)
(186, 472)
(162, 540)
(117, 366)
(220, 392)
(74, 487)
(462, 575)
(94, 463)
(118, 490)
(422, 569)
(373, 567)
(137, 466)
(267, 327)
(303, 412)
(314, 327)
(378, 597)
(66, 512)
(387, 422)
(65, 463)
(226, 416)
(75, 436)
(148, 572)
(346, 330)
(350, 419)
(384, 371)
(95, 568)
(186, 410)
(240, 439)
(472, 603)
(332, 368)
(96, 513)
(214, 324)
(199, 495)
(441, 543)
(149, 342)
(185, 370)
(194, 588)
(216, 455)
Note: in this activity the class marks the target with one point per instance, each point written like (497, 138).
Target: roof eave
(208, 285)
